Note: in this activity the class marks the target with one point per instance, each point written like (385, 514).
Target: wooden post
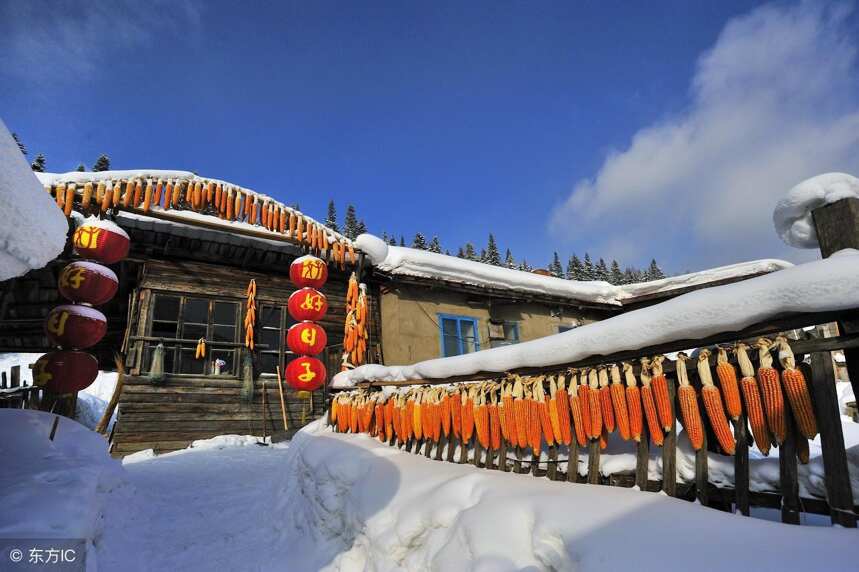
(702, 469)
(642, 458)
(442, 440)
(478, 452)
(669, 447)
(463, 451)
(594, 462)
(451, 446)
(16, 376)
(837, 476)
(741, 465)
(552, 464)
(837, 227)
(517, 464)
(573, 461)
(788, 474)
(502, 457)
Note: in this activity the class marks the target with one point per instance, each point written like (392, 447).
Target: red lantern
(306, 338)
(74, 326)
(307, 304)
(101, 240)
(308, 272)
(83, 281)
(65, 371)
(305, 373)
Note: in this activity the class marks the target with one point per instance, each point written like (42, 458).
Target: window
(179, 321)
(272, 324)
(509, 331)
(459, 335)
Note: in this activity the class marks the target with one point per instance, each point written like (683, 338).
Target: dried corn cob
(713, 405)
(690, 415)
(753, 401)
(87, 196)
(543, 410)
(594, 405)
(354, 415)
(520, 408)
(583, 391)
(771, 391)
(409, 417)
(535, 437)
(576, 409)
(380, 421)
(633, 403)
(648, 403)
(70, 199)
(468, 415)
(138, 193)
(605, 400)
(494, 422)
(481, 420)
(796, 389)
(332, 412)
(554, 413)
(502, 414)
(418, 416)
(659, 385)
(563, 401)
(456, 414)
(388, 412)
(727, 375)
(618, 401)
(444, 414)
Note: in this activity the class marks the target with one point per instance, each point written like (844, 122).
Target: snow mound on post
(34, 230)
(792, 215)
(374, 247)
(363, 505)
(820, 286)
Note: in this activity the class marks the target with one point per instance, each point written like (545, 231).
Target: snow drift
(823, 285)
(792, 216)
(34, 229)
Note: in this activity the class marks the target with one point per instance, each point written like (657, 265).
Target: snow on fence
(421, 416)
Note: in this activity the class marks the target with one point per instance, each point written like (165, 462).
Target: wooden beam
(837, 226)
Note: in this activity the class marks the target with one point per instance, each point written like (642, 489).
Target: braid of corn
(689, 405)
(594, 405)
(456, 414)
(660, 394)
(554, 414)
(713, 405)
(520, 408)
(754, 401)
(649, 405)
(468, 415)
(494, 421)
(618, 401)
(543, 410)
(576, 409)
(727, 375)
(481, 420)
(563, 401)
(605, 400)
(633, 403)
(796, 389)
(771, 390)
(444, 413)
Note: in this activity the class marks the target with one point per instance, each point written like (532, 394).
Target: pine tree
(615, 275)
(385, 237)
(350, 223)
(524, 266)
(601, 271)
(434, 245)
(360, 228)
(588, 272)
(20, 145)
(331, 221)
(482, 257)
(81, 168)
(402, 240)
(470, 253)
(555, 268)
(419, 242)
(654, 272)
(574, 268)
(446, 252)
(492, 254)
(508, 259)
(461, 253)
(392, 241)
(101, 164)
(38, 164)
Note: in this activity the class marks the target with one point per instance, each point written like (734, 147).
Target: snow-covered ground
(347, 502)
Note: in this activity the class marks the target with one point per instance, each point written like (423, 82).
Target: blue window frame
(459, 335)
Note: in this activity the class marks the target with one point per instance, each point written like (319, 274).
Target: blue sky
(625, 129)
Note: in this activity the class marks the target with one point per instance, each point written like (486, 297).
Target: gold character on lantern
(311, 269)
(308, 336)
(42, 375)
(312, 302)
(87, 236)
(57, 323)
(308, 374)
(72, 277)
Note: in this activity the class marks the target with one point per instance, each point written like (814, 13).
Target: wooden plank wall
(169, 416)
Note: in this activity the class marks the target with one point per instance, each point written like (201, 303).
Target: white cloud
(775, 101)
(49, 43)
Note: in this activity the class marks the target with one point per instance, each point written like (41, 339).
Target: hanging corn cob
(648, 403)
(481, 419)
(555, 412)
(520, 408)
(771, 391)
(713, 405)
(618, 401)
(495, 416)
(594, 404)
(512, 434)
(689, 412)
(546, 428)
(418, 415)
(444, 413)
(753, 401)
(563, 403)
(605, 400)
(468, 414)
(633, 403)
(535, 437)
(389, 419)
(456, 414)
(660, 394)
(580, 424)
(250, 314)
(727, 375)
(796, 389)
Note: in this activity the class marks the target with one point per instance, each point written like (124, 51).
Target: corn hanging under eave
(554, 413)
(659, 384)
(535, 437)
(605, 400)
(633, 403)
(796, 389)
(520, 408)
(546, 428)
(727, 375)
(753, 401)
(467, 415)
(771, 390)
(494, 423)
(579, 424)
(648, 404)
(509, 413)
(713, 405)
(594, 405)
(618, 401)
(563, 401)
(689, 412)
(481, 419)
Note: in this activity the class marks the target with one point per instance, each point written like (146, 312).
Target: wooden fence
(813, 353)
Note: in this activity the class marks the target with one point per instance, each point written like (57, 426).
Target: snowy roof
(34, 232)
(821, 286)
(792, 216)
(401, 261)
(210, 217)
